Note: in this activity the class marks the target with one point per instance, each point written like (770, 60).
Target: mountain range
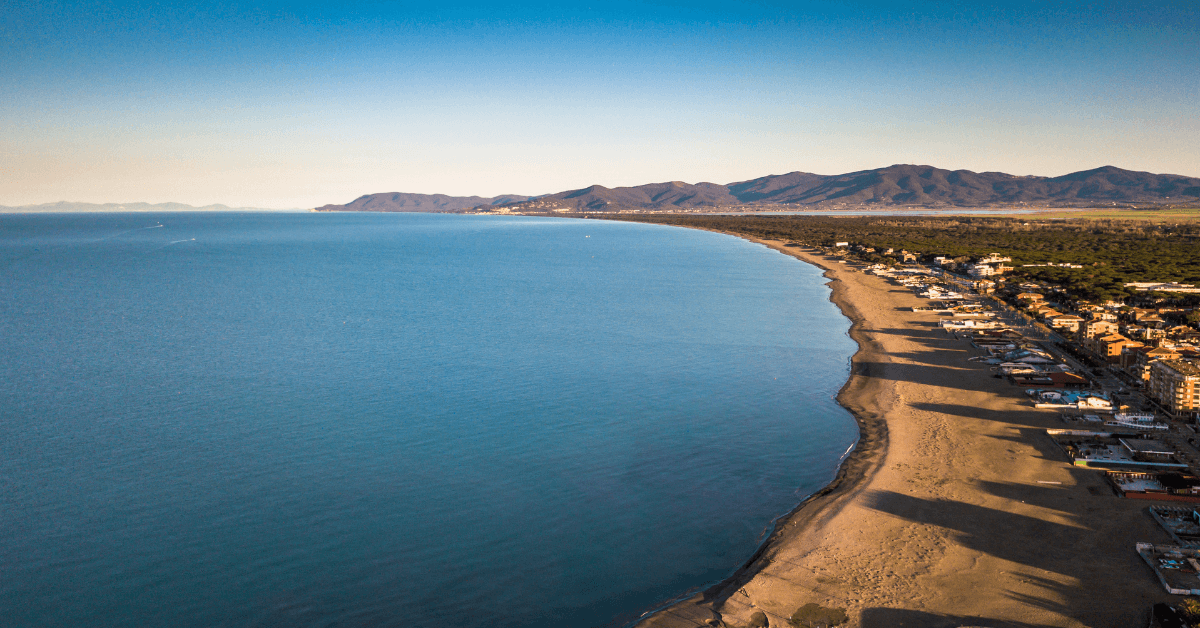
(403, 202)
(898, 185)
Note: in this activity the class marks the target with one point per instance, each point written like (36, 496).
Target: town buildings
(1175, 385)
(1136, 360)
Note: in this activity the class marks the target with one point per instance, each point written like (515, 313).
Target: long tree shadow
(1095, 566)
(959, 378)
(1018, 538)
(1052, 497)
(930, 331)
(931, 336)
(1039, 440)
(952, 356)
(1025, 417)
(904, 618)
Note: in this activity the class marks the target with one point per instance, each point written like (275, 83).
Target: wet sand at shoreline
(955, 509)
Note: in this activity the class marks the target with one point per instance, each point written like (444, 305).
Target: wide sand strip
(955, 508)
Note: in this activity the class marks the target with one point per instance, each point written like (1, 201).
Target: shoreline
(863, 459)
(937, 517)
(856, 466)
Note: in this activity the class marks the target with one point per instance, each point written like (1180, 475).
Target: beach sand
(955, 509)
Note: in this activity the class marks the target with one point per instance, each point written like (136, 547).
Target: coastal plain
(955, 508)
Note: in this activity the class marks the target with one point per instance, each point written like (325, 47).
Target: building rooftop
(1148, 446)
(1183, 367)
(1140, 482)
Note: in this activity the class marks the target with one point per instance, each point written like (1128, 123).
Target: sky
(298, 104)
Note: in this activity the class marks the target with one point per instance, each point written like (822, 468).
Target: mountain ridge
(408, 202)
(896, 185)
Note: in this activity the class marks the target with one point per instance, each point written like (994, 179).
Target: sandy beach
(955, 509)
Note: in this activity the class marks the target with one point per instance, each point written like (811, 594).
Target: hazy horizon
(296, 104)
(169, 206)
(137, 206)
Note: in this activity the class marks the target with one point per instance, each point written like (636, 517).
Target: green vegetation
(1112, 252)
(1170, 214)
(1190, 609)
(816, 616)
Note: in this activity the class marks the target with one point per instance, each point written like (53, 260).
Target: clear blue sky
(298, 104)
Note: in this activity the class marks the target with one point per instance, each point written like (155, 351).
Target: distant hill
(775, 186)
(926, 185)
(908, 185)
(66, 206)
(652, 196)
(899, 185)
(401, 202)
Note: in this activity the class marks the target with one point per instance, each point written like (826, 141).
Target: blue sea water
(397, 419)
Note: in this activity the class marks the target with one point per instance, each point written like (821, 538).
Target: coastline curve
(865, 458)
(954, 509)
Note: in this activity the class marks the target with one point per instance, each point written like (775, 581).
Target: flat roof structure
(1167, 486)
(1113, 451)
(1179, 522)
(1147, 447)
(1145, 483)
(1184, 367)
(1176, 567)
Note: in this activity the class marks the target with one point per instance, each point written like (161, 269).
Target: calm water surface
(397, 420)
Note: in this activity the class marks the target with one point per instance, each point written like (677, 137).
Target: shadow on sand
(1038, 548)
(901, 618)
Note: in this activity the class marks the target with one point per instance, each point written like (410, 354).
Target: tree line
(1113, 252)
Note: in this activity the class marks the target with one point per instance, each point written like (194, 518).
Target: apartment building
(1175, 385)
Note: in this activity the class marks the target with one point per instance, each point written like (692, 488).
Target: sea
(355, 419)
